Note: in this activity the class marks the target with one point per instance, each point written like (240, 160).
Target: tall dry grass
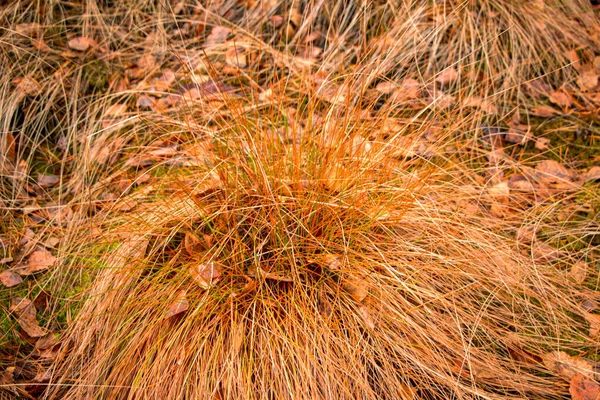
(298, 244)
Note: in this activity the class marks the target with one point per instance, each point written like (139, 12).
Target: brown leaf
(10, 279)
(588, 80)
(542, 143)
(206, 274)
(276, 276)
(561, 99)
(481, 103)
(543, 111)
(578, 271)
(81, 43)
(39, 260)
(592, 174)
(46, 342)
(584, 388)
(115, 110)
(28, 85)
(594, 321)
(180, 305)
(46, 181)
(332, 262)
(544, 252)
(566, 366)
(218, 34)
(550, 171)
(353, 286)
(26, 317)
(366, 315)
(519, 354)
(386, 87)
(448, 75)
(236, 57)
(526, 234)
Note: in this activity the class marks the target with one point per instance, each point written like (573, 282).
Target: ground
(299, 199)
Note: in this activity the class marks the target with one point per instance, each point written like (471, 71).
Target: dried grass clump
(304, 260)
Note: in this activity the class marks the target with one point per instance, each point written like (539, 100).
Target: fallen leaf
(366, 315)
(481, 103)
(39, 260)
(542, 143)
(276, 276)
(578, 271)
(544, 252)
(236, 57)
(588, 80)
(276, 21)
(46, 342)
(526, 234)
(386, 87)
(353, 286)
(206, 274)
(146, 102)
(218, 34)
(589, 305)
(10, 279)
(448, 75)
(592, 174)
(543, 111)
(561, 99)
(550, 171)
(180, 305)
(28, 85)
(115, 110)
(332, 262)
(594, 321)
(519, 134)
(566, 366)
(584, 388)
(146, 62)
(26, 317)
(410, 89)
(518, 353)
(81, 43)
(46, 181)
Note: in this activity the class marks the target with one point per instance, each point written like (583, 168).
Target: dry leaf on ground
(81, 43)
(218, 34)
(46, 181)
(592, 174)
(448, 75)
(550, 171)
(560, 99)
(180, 305)
(578, 271)
(584, 388)
(594, 321)
(115, 110)
(39, 260)
(543, 111)
(566, 366)
(26, 317)
(10, 279)
(588, 80)
(366, 315)
(206, 274)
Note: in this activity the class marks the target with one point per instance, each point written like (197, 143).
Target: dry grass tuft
(306, 262)
(306, 207)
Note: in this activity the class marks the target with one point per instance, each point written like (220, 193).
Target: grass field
(262, 199)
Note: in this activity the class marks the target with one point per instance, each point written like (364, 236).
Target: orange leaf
(448, 75)
(180, 305)
(81, 43)
(584, 388)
